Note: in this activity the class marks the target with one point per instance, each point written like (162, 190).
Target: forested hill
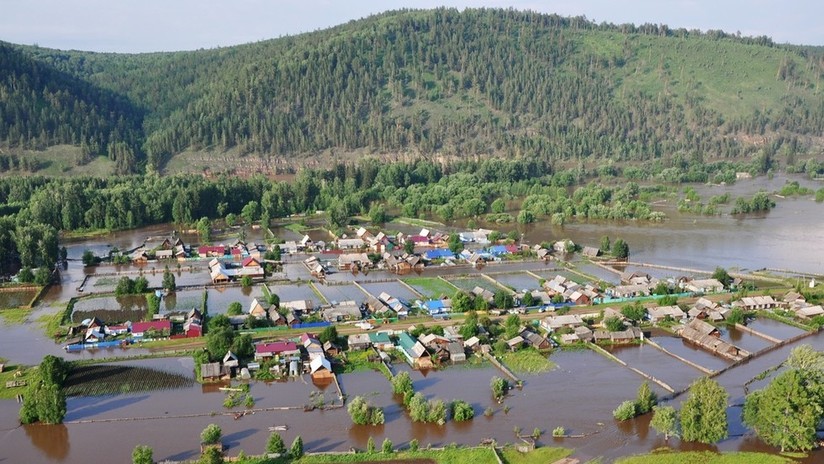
(440, 82)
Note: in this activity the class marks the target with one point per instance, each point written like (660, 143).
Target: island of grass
(527, 361)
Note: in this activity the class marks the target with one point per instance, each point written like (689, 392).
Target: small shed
(456, 352)
(359, 341)
(210, 371)
(321, 369)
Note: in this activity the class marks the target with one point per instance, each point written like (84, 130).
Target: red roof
(235, 251)
(250, 260)
(418, 239)
(512, 248)
(211, 249)
(140, 327)
(275, 347)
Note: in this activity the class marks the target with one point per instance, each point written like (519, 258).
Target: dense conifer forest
(437, 82)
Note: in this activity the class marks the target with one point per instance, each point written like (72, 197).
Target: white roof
(318, 363)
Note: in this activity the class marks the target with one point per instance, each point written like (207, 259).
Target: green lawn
(446, 456)
(536, 456)
(432, 287)
(527, 361)
(8, 375)
(704, 457)
(15, 315)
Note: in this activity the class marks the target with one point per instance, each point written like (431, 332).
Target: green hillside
(419, 83)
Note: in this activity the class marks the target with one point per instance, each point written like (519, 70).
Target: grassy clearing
(103, 379)
(704, 457)
(105, 282)
(527, 361)
(297, 228)
(8, 375)
(417, 222)
(14, 316)
(358, 361)
(432, 287)
(537, 456)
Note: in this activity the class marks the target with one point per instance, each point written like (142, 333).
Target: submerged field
(111, 379)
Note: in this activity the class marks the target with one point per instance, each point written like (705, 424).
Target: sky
(134, 26)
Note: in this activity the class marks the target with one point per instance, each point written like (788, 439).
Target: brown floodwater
(579, 394)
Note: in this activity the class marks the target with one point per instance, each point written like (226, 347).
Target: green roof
(379, 337)
(406, 341)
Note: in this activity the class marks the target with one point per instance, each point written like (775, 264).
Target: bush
(235, 309)
(275, 444)
(142, 455)
(211, 434)
(296, 451)
(363, 413)
(462, 411)
(558, 431)
(626, 410)
(499, 387)
(370, 445)
(413, 445)
(386, 446)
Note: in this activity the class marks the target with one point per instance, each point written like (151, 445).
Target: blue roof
(438, 254)
(434, 304)
(498, 250)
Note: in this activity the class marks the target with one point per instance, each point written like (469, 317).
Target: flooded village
(573, 329)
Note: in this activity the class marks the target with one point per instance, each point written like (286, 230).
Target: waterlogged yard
(107, 379)
(432, 287)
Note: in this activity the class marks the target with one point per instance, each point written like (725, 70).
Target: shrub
(386, 446)
(626, 410)
(211, 434)
(558, 431)
(462, 411)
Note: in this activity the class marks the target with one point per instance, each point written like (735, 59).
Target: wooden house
(414, 351)
(359, 341)
(321, 369)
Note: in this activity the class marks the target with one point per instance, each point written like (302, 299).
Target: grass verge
(704, 457)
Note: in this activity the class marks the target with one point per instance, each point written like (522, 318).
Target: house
(636, 278)
(251, 267)
(433, 341)
(94, 335)
(268, 350)
(707, 337)
(289, 247)
(377, 307)
(438, 253)
(483, 293)
(704, 286)
(628, 335)
(583, 333)
(211, 251)
(210, 371)
(809, 312)
(578, 298)
(456, 352)
(569, 339)
(164, 254)
(418, 240)
(320, 369)
(561, 246)
(414, 351)
(257, 310)
(299, 306)
(543, 253)
(353, 260)
(473, 343)
(537, 341)
(394, 304)
(477, 236)
(381, 341)
(359, 341)
(660, 313)
(629, 291)
(792, 299)
(230, 364)
(139, 256)
(437, 306)
(591, 252)
(553, 323)
(515, 343)
(752, 303)
(343, 311)
(162, 328)
(314, 266)
(351, 243)
(331, 349)
(192, 328)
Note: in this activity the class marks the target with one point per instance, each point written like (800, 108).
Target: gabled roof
(275, 347)
(210, 370)
(319, 363)
(379, 337)
(413, 347)
(140, 327)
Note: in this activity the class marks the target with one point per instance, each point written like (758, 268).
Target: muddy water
(340, 293)
(774, 328)
(745, 340)
(395, 289)
(519, 281)
(690, 352)
(579, 395)
(657, 364)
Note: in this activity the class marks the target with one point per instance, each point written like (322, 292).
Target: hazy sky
(166, 25)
